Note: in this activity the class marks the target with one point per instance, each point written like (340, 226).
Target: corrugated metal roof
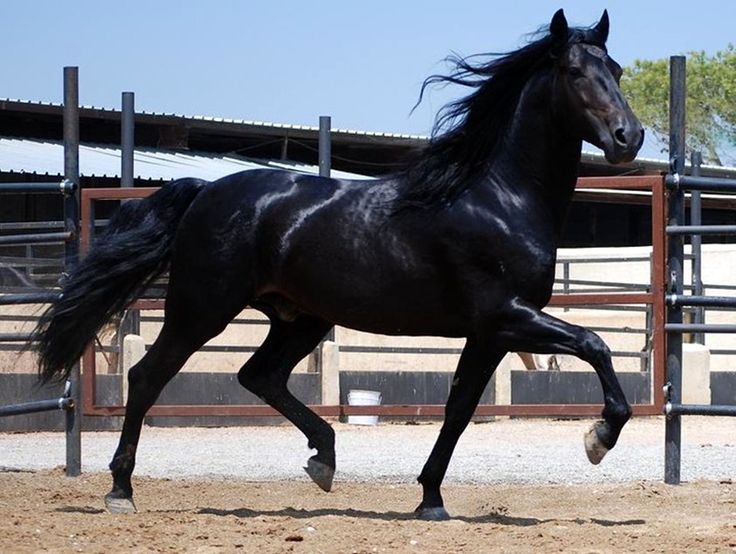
(283, 126)
(641, 163)
(47, 158)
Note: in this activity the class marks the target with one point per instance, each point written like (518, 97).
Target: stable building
(171, 146)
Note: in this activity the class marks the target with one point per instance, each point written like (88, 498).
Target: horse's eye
(575, 72)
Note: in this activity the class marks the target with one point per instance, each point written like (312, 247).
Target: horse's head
(587, 98)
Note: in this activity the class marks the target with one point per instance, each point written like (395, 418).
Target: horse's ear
(558, 26)
(601, 27)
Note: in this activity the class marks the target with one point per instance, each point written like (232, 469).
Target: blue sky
(290, 61)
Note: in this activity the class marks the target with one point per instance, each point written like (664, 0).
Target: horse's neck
(537, 158)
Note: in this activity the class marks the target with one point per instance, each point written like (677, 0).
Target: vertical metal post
(675, 216)
(71, 223)
(325, 145)
(127, 139)
(325, 167)
(696, 212)
(131, 322)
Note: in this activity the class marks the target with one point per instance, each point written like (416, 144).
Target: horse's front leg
(477, 364)
(526, 327)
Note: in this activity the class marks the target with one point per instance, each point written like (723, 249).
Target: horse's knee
(593, 349)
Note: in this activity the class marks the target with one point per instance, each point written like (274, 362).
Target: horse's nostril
(620, 135)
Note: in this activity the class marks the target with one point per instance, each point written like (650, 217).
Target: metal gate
(677, 183)
(654, 298)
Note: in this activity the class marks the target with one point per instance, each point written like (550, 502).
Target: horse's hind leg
(266, 374)
(146, 379)
(190, 321)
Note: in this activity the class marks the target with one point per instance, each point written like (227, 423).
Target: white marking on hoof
(593, 446)
(119, 505)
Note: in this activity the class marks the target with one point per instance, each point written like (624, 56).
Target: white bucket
(363, 398)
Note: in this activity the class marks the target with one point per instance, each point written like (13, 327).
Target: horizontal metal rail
(236, 321)
(398, 350)
(699, 409)
(18, 261)
(15, 318)
(620, 259)
(437, 410)
(343, 348)
(700, 229)
(572, 300)
(622, 330)
(26, 225)
(602, 286)
(707, 301)
(15, 337)
(64, 187)
(700, 328)
(719, 287)
(620, 182)
(721, 352)
(453, 351)
(608, 299)
(29, 298)
(36, 238)
(690, 182)
(16, 347)
(37, 406)
(612, 307)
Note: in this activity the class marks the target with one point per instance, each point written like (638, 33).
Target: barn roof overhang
(355, 152)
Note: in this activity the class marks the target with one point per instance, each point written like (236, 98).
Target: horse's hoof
(432, 514)
(117, 505)
(593, 446)
(321, 473)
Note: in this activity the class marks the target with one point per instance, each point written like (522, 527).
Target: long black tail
(134, 250)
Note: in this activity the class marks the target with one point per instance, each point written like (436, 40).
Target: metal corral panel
(47, 158)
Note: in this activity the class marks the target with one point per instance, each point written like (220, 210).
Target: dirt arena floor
(44, 511)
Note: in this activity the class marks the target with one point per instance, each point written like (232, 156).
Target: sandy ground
(47, 512)
(513, 486)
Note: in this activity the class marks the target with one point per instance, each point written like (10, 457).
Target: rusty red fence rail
(654, 297)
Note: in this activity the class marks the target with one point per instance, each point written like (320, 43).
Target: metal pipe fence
(68, 189)
(676, 184)
(65, 402)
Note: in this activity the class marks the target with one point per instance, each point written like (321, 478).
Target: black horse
(460, 244)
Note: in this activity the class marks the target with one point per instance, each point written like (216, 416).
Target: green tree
(711, 100)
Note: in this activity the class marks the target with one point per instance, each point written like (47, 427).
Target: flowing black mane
(468, 131)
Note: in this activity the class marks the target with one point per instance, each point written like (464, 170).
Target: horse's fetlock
(623, 413)
(617, 412)
(324, 440)
(124, 462)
